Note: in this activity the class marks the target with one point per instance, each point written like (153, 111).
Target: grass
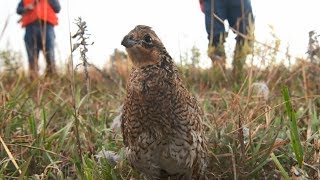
(54, 128)
(249, 137)
(294, 132)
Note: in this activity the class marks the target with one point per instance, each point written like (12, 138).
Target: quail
(161, 123)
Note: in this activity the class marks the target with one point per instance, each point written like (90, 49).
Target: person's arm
(55, 4)
(201, 5)
(20, 8)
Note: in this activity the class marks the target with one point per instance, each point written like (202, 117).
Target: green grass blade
(63, 136)
(259, 166)
(33, 126)
(280, 167)
(44, 123)
(25, 168)
(294, 133)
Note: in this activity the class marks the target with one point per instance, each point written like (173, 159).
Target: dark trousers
(40, 36)
(238, 13)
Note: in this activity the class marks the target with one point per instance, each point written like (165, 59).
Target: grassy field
(266, 127)
(53, 128)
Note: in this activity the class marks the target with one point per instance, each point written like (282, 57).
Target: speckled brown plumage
(161, 122)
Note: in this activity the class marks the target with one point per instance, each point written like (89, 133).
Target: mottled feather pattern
(161, 123)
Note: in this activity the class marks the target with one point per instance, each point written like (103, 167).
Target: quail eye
(147, 38)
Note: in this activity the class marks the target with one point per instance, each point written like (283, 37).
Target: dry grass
(244, 128)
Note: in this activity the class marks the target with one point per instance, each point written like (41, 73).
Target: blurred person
(239, 15)
(39, 18)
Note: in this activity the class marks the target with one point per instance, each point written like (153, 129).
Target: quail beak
(128, 42)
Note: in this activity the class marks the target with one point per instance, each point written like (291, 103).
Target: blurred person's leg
(240, 18)
(215, 29)
(49, 49)
(30, 39)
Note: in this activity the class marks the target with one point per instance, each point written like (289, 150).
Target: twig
(233, 164)
(40, 149)
(82, 42)
(10, 155)
(4, 27)
(73, 94)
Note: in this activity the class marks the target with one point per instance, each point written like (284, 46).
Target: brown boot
(50, 71)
